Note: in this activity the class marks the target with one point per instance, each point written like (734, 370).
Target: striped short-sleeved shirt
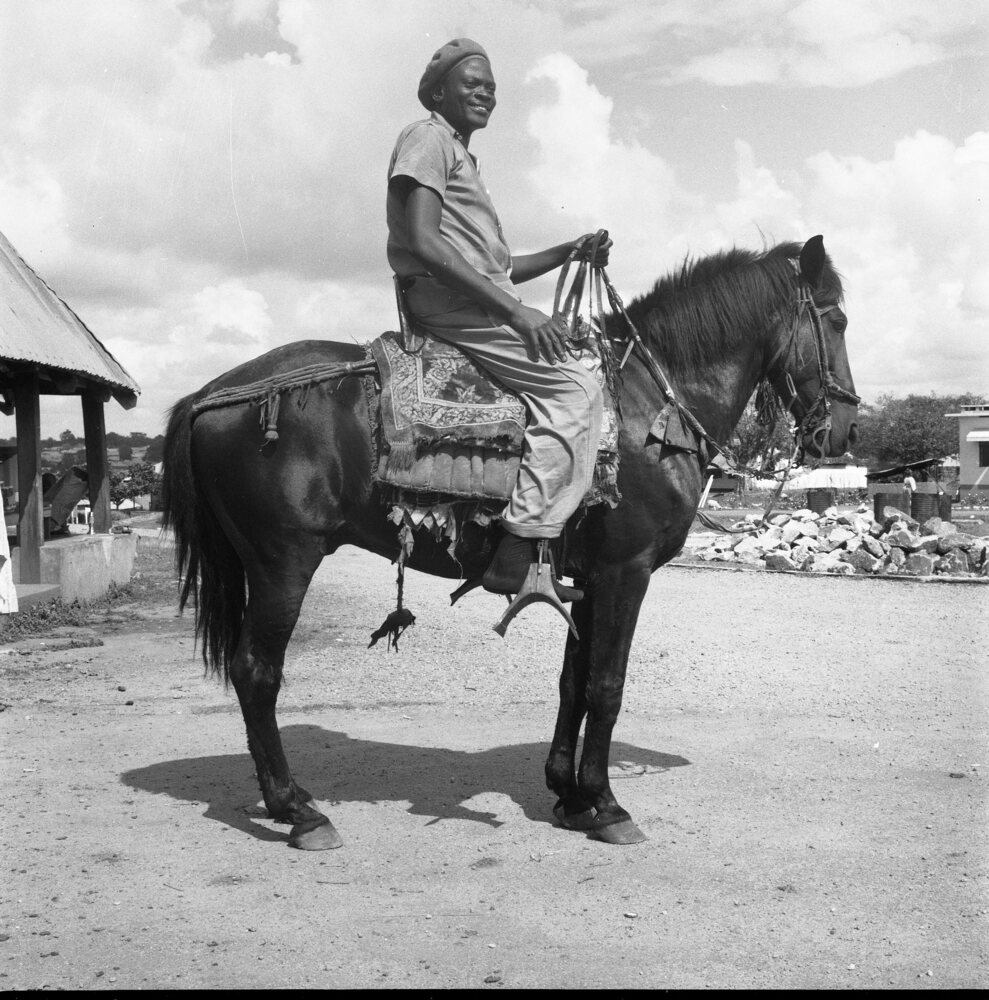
(431, 153)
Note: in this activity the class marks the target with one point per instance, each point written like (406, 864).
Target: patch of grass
(41, 619)
(152, 582)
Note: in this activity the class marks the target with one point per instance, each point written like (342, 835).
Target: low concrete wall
(84, 566)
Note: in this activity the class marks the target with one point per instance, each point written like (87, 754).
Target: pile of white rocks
(850, 543)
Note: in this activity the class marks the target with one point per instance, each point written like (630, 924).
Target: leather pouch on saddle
(671, 429)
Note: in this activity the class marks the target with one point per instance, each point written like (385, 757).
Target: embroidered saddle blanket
(446, 427)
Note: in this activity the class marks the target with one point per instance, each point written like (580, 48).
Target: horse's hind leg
(256, 674)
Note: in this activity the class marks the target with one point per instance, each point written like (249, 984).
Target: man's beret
(444, 59)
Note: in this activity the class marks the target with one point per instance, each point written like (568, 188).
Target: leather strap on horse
(570, 307)
(266, 393)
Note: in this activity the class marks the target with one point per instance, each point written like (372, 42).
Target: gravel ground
(808, 756)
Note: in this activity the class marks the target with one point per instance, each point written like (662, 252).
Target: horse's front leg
(572, 810)
(618, 596)
(256, 674)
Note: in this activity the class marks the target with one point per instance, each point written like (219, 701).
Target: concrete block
(31, 594)
(84, 566)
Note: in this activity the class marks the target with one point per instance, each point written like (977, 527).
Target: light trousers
(563, 399)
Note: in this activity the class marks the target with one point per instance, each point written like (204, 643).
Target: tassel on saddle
(399, 620)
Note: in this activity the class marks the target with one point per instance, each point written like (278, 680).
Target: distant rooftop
(971, 410)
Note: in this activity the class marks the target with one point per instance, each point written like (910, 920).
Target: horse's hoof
(582, 821)
(622, 832)
(315, 835)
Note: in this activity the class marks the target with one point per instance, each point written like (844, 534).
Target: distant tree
(71, 458)
(139, 439)
(138, 480)
(67, 437)
(115, 440)
(156, 450)
(126, 452)
(896, 431)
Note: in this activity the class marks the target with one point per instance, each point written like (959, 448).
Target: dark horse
(253, 523)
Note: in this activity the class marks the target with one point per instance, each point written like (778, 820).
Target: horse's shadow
(435, 781)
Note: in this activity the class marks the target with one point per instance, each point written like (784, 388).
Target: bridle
(830, 387)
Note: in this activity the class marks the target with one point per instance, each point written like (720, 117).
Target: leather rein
(830, 388)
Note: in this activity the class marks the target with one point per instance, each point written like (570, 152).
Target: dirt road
(808, 756)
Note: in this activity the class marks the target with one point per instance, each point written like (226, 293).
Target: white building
(973, 447)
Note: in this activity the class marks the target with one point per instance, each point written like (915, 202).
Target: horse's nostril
(853, 433)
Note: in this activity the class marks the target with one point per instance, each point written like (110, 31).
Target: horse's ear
(812, 261)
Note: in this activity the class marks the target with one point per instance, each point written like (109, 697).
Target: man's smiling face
(466, 97)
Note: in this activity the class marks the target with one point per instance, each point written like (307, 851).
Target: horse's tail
(209, 568)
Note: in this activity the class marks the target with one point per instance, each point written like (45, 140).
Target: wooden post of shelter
(97, 463)
(30, 511)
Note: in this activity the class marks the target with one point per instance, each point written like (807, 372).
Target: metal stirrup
(538, 586)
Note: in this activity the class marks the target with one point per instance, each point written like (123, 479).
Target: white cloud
(734, 66)
(831, 43)
(596, 181)
(910, 233)
(915, 230)
(199, 206)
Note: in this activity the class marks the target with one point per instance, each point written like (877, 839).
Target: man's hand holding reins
(600, 254)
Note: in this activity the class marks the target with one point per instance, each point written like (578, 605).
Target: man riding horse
(458, 278)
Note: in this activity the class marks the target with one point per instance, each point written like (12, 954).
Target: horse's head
(813, 377)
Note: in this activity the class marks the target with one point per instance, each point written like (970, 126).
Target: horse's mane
(710, 305)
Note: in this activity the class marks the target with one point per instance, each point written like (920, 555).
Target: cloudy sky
(204, 180)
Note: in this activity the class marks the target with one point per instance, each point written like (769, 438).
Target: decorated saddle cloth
(445, 427)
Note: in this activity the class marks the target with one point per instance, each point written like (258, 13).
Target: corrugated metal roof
(36, 326)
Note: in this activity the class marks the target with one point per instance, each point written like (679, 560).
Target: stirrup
(538, 586)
